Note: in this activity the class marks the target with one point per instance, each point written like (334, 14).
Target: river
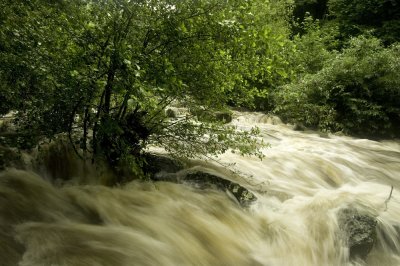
(301, 184)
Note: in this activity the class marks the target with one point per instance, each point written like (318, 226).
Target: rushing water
(301, 184)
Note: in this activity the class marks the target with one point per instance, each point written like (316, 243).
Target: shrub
(314, 47)
(357, 92)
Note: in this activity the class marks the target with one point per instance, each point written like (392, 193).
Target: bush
(314, 47)
(360, 16)
(357, 92)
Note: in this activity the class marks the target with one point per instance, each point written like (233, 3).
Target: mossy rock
(359, 231)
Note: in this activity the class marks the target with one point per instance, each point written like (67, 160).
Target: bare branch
(388, 199)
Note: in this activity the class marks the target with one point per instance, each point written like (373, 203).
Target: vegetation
(381, 17)
(103, 72)
(355, 92)
(347, 80)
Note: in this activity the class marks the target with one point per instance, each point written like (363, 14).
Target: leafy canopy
(104, 71)
(355, 92)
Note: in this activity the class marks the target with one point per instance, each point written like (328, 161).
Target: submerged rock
(359, 231)
(205, 180)
(390, 237)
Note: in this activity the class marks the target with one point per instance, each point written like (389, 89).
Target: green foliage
(317, 9)
(104, 71)
(356, 92)
(267, 48)
(314, 47)
(190, 138)
(359, 16)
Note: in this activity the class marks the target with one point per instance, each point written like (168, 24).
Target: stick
(390, 196)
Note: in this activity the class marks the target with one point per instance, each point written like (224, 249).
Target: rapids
(301, 184)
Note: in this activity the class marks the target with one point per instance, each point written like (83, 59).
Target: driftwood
(388, 199)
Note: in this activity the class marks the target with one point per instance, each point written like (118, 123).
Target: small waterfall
(302, 186)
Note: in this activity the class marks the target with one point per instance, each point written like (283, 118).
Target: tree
(316, 8)
(104, 71)
(356, 92)
(358, 16)
(265, 42)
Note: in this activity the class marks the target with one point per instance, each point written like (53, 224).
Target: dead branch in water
(388, 199)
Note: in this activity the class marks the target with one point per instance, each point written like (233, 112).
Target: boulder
(162, 168)
(171, 113)
(156, 163)
(299, 127)
(10, 158)
(225, 117)
(204, 180)
(359, 232)
(207, 115)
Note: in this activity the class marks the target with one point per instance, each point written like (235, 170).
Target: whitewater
(302, 184)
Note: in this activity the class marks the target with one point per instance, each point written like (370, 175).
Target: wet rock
(225, 117)
(10, 158)
(163, 168)
(156, 163)
(171, 113)
(272, 119)
(299, 127)
(359, 231)
(204, 180)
